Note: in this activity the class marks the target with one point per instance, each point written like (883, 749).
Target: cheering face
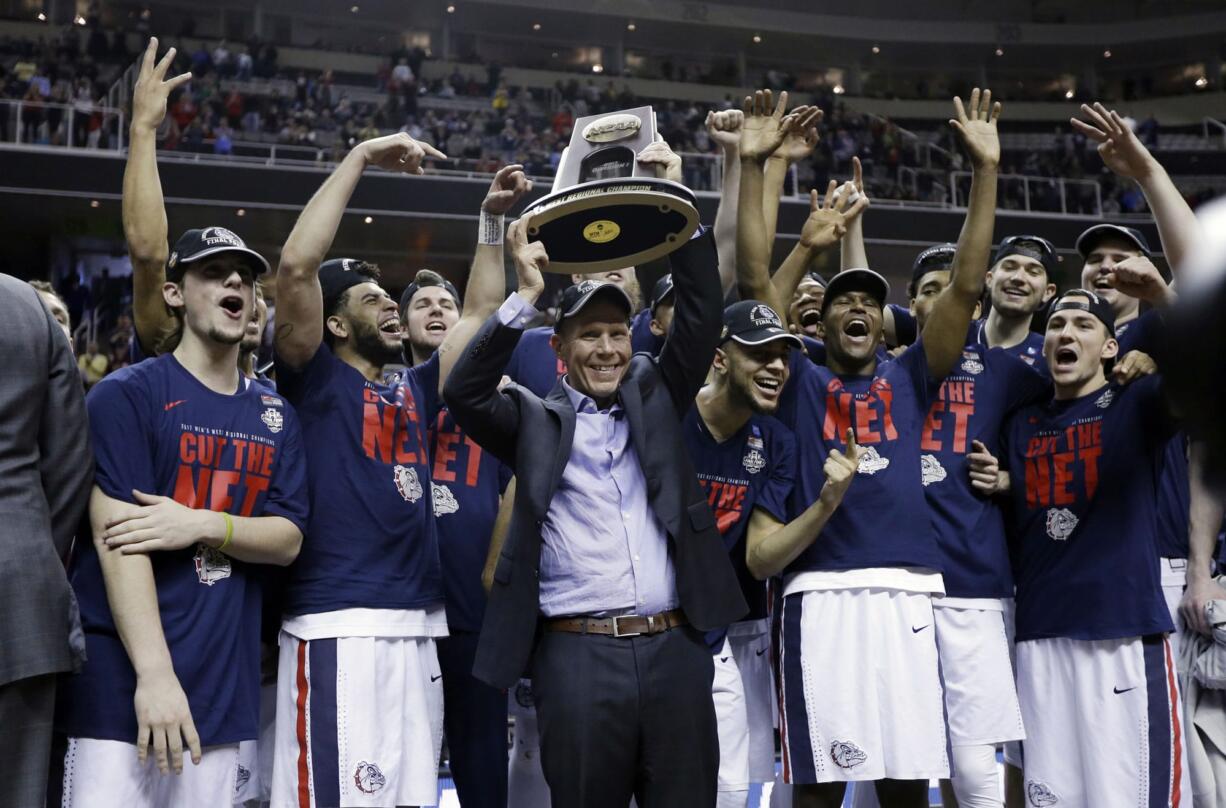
(756, 373)
(1075, 345)
(371, 322)
(1096, 275)
(255, 326)
(595, 345)
(625, 278)
(431, 313)
(929, 288)
(216, 298)
(1018, 285)
(805, 311)
(852, 326)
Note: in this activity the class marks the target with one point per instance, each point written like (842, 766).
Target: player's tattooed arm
(724, 127)
(163, 717)
(1205, 519)
(764, 129)
(144, 210)
(502, 523)
(157, 523)
(987, 477)
(299, 297)
(1124, 153)
(945, 332)
(771, 545)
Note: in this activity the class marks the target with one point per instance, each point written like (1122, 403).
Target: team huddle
(761, 509)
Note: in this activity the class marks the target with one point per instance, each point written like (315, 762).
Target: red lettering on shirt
(1062, 469)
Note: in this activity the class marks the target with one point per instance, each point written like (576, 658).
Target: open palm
(976, 128)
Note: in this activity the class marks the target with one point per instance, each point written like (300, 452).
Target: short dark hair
(368, 271)
(423, 279)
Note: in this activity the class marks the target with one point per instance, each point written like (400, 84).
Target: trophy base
(612, 224)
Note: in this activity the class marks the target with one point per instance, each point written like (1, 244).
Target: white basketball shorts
(106, 774)
(751, 643)
(980, 693)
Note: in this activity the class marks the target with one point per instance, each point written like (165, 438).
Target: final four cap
(338, 274)
(752, 322)
(933, 259)
(856, 280)
(1036, 247)
(663, 290)
(1088, 240)
(1087, 301)
(200, 243)
(584, 292)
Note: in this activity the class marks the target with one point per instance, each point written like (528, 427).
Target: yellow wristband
(229, 531)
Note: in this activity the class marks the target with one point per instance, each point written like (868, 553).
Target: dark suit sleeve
(489, 417)
(66, 463)
(690, 347)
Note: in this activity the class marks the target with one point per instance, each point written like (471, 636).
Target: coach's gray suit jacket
(534, 436)
(46, 472)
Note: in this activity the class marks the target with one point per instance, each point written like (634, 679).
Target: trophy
(603, 212)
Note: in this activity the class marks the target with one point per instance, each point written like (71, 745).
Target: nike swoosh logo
(915, 630)
(763, 651)
(173, 404)
(436, 678)
(723, 659)
(1125, 690)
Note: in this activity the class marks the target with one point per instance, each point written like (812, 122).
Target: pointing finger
(852, 451)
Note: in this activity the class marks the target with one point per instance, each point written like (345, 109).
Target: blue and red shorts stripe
(1165, 731)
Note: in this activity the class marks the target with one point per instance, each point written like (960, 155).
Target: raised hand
(398, 152)
(801, 136)
(508, 187)
(1120, 148)
(828, 219)
(153, 88)
(765, 125)
(976, 128)
(725, 127)
(530, 259)
(1138, 277)
(986, 476)
(667, 163)
(840, 469)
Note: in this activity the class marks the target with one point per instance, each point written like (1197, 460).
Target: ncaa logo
(764, 315)
(220, 235)
(272, 419)
(368, 778)
(846, 754)
(1104, 401)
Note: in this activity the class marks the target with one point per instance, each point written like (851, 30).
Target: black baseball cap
(1085, 300)
(413, 288)
(338, 274)
(663, 289)
(575, 297)
(812, 275)
(936, 258)
(1036, 247)
(203, 242)
(752, 322)
(1088, 240)
(856, 280)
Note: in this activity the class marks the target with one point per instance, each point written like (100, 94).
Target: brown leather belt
(627, 625)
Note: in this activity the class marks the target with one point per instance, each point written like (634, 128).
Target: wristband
(489, 231)
(229, 531)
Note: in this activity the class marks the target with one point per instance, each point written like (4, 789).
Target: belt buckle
(618, 633)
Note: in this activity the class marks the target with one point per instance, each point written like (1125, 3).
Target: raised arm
(487, 283)
(799, 140)
(163, 716)
(725, 129)
(852, 253)
(144, 210)
(1123, 153)
(300, 325)
(945, 332)
(764, 129)
(687, 353)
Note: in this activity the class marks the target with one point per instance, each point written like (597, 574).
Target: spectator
(245, 65)
(93, 365)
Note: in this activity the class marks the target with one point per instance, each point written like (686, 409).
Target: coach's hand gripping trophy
(608, 208)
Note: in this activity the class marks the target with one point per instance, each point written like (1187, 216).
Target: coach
(612, 566)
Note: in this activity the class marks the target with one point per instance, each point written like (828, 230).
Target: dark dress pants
(475, 723)
(27, 708)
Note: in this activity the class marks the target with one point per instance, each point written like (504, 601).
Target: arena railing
(1035, 194)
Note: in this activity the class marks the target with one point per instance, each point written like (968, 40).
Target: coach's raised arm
(612, 547)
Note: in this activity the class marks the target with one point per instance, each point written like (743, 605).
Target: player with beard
(200, 477)
(872, 571)
(360, 703)
(466, 484)
(1096, 674)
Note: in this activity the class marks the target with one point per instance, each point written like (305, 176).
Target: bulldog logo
(407, 483)
(368, 778)
(846, 754)
(211, 565)
(1039, 795)
(871, 462)
(1060, 523)
(931, 470)
(241, 777)
(444, 500)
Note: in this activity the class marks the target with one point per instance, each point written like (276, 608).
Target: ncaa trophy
(604, 211)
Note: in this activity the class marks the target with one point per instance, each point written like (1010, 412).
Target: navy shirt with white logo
(371, 541)
(755, 468)
(972, 404)
(467, 483)
(883, 520)
(157, 429)
(1084, 481)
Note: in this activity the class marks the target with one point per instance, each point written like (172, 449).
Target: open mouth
(603, 371)
(233, 304)
(809, 318)
(1065, 358)
(767, 385)
(390, 326)
(1103, 283)
(856, 328)
(1017, 292)
(436, 327)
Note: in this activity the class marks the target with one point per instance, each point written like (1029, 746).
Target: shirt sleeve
(297, 384)
(515, 312)
(1023, 384)
(119, 427)
(288, 493)
(914, 360)
(777, 492)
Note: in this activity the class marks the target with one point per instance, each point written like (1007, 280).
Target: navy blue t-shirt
(883, 520)
(371, 542)
(466, 484)
(1084, 482)
(534, 364)
(1029, 350)
(815, 349)
(755, 468)
(972, 404)
(157, 429)
(641, 338)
